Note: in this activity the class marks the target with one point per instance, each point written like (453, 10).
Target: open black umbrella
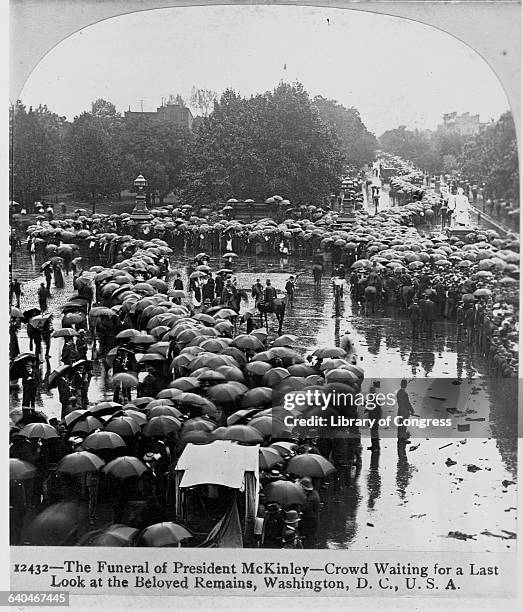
(42, 431)
(311, 465)
(284, 492)
(115, 535)
(30, 313)
(20, 470)
(163, 535)
(161, 426)
(56, 374)
(65, 332)
(79, 463)
(268, 458)
(17, 367)
(123, 426)
(125, 467)
(57, 525)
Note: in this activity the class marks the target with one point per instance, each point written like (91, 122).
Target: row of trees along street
(281, 141)
(490, 157)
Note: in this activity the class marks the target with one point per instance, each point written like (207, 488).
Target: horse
(234, 302)
(358, 291)
(371, 297)
(277, 306)
(317, 272)
(237, 298)
(406, 293)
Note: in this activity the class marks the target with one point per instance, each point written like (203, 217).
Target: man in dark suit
(405, 410)
(428, 314)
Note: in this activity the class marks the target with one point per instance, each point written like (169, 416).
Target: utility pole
(141, 105)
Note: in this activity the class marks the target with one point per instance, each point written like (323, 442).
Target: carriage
(216, 493)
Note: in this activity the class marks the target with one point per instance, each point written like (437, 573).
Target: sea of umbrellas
(179, 226)
(218, 384)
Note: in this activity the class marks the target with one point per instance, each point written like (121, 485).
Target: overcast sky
(392, 70)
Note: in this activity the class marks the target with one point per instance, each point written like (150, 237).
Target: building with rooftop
(169, 112)
(464, 124)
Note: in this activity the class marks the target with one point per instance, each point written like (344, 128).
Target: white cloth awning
(221, 463)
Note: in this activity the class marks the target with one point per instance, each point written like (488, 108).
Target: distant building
(169, 112)
(464, 125)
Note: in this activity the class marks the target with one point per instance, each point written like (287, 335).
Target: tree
(492, 157)
(357, 143)
(271, 143)
(306, 160)
(103, 108)
(36, 152)
(437, 152)
(449, 164)
(93, 162)
(416, 146)
(202, 100)
(156, 149)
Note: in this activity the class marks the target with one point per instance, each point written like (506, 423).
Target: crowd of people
(181, 373)
(201, 383)
(111, 238)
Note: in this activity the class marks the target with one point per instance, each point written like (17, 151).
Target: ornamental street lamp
(346, 190)
(346, 213)
(140, 212)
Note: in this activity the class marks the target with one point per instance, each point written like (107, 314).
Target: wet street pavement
(398, 501)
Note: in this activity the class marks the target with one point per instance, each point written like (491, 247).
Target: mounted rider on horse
(271, 303)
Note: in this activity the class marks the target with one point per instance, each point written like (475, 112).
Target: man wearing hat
(69, 352)
(150, 476)
(273, 526)
(248, 319)
(269, 294)
(290, 288)
(427, 315)
(272, 476)
(460, 319)
(42, 297)
(219, 284)
(91, 481)
(257, 292)
(178, 283)
(207, 303)
(414, 316)
(208, 288)
(29, 386)
(81, 344)
(72, 405)
(228, 294)
(310, 513)
(290, 536)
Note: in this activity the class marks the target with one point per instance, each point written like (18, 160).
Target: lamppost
(345, 188)
(347, 213)
(350, 209)
(140, 212)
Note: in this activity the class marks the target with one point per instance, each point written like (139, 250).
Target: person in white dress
(462, 209)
